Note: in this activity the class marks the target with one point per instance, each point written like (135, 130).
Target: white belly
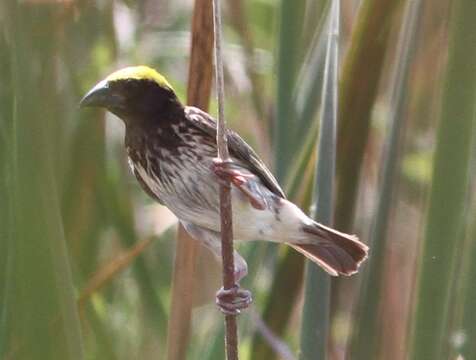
(282, 225)
(279, 223)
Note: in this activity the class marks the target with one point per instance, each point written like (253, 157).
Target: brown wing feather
(238, 148)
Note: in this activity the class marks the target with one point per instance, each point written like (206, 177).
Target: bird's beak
(98, 96)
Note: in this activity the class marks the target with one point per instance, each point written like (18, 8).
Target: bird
(172, 152)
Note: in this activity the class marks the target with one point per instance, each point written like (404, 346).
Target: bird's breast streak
(183, 180)
(185, 187)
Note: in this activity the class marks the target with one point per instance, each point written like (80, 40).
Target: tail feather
(337, 253)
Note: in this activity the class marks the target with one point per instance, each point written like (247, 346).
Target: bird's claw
(228, 171)
(232, 301)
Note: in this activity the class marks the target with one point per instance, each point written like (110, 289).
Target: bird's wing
(238, 148)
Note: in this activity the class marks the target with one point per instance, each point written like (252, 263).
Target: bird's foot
(232, 301)
(228, 171)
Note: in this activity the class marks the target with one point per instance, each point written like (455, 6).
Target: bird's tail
(336, 252)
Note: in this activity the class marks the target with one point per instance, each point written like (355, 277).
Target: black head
(135, 94)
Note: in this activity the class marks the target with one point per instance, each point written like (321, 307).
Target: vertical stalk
(226, 228)
(315, 323)
(449, 191)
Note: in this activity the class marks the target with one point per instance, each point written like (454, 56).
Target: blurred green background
(86, 259)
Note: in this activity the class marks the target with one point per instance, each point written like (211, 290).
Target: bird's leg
(227, 170)
(232, 301)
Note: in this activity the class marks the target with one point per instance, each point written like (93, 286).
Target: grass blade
(366, 331)
(288, 58)
(449, 187)
(469, 295)
(288, 143)
(309, 91)
(40, 315)
(289, 269)
(315, 318)
(362, 68)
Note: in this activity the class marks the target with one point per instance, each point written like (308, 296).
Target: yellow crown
(139, 73)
